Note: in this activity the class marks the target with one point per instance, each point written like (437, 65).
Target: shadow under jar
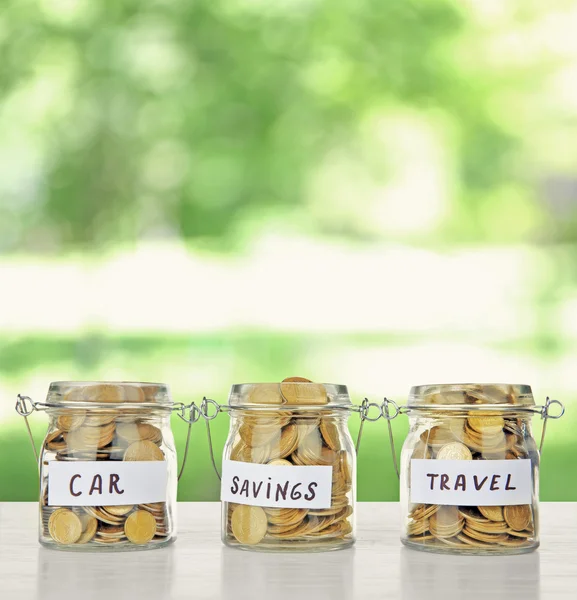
(470, 470)
(108, 467)
(288, 480)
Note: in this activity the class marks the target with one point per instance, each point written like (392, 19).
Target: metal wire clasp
(383, 413)
(546, 415)
(25, 411)
(208, 416)
(193, 416)
(364, 411)
(389, 417)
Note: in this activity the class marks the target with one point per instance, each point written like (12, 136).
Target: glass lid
(107, 393)
(455, 395)
(294, 392)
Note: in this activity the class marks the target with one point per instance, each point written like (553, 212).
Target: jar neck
(441, 412)
(258, 413)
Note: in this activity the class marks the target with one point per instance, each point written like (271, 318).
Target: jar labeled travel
(108, 471)
(470, 469)
(288, 476)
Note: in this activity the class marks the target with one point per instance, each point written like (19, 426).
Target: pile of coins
(104, 435)
(288, 438)
(103, 525)
(477, 436)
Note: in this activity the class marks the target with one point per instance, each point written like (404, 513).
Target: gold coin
(265, 393)
(90, 438)
(102, 515)
(421, 451)
(513, 542)
(249, 524)
(155, 506)
(518, 517)
(140, 527)
(68, 422)
(493, 513)
(267, 421)
(97, 419)
(346, 528)
(104, 392)
(74, 394)
(418, 527)
(149, 392)
(487, 526)
(446, 522)
(489, 538)
(438, 436)
(330, 433)
(453, 542)
(144, 450)
(486, 424)
(56, 441)
(64, 526)
(243, 453)
(522, 534)
(286, 517)
(288, 443)
(133, 393)
(255, 436)
(303, 392)
(132, 432)
(89, 527)
(454, 451)
(280, 462)
(116, 531)
(118, 511)
(323, 512)
(424, 511)
(473, 542)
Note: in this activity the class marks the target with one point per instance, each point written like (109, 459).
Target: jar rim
(468, 396)
(108, 394)
(289, 395)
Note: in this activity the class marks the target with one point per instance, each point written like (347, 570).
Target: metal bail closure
(389, 417)
(25, 411)
(384, 413)
(193, 417)
(546, 415)
(364, 411)
(208, 416)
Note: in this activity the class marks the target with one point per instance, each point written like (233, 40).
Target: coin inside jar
(93, 422)
(140, 527)
(468, 423)
(302, 392)
(64, 526)
(303, 432)
(249, 524)
(143, 450)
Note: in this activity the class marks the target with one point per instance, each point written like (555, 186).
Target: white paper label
(276, 485)
(106, 483)
(471, 482)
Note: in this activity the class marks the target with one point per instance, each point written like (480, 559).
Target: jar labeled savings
(108, 471)
(288, 480)
(470, 469)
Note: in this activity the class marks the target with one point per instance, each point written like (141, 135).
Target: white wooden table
(199, 566)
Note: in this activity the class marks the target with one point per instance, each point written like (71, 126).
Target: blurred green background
(376, 193)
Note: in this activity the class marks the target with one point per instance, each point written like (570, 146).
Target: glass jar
(289, 465)
(470, 470)
(108, 471)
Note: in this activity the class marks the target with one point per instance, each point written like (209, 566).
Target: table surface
(199, 566)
